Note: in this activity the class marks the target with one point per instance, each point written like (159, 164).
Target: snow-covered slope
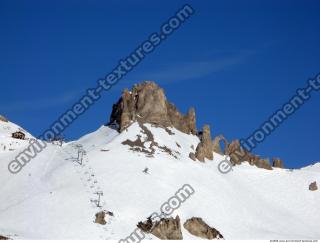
(52, 197)
(7, 143)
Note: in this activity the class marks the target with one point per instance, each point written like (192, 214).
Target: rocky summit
(147, 103)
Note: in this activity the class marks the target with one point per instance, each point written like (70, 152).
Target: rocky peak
(147, 103)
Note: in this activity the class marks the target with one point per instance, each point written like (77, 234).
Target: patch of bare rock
(139, 145)
(100, 218)
(313, 186)
(197, 227)
(164, 229)
(4, 238)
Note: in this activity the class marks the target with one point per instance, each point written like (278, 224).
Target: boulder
(313, 186)
(165, 229)
(100, 218)
(197, 227)
(204, 148)
(147, 103)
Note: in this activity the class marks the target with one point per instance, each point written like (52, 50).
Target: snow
(51, 197)
(7, 143)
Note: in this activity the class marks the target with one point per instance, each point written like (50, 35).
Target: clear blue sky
(236, 62)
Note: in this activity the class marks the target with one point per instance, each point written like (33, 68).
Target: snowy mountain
(137, 167)
(7, 143)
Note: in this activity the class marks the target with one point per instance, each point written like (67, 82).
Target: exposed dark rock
(100, 218)
(148, 103)
(192, 156)
(278, 163)
(2, 118)
(197, 227)
(169, 131)
(186, 124)
(165, 229)
(239, 155)
(236, 153)
(264, 163)
(4, 238)
(313, 186)
(204, 148)
(233, 150)
(139, 145)
(146, 226)
(18, 135)
(168, 151)
(109, 213)
(254, 159)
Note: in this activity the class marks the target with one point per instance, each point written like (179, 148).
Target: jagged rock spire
(146, 102)
(205, 148)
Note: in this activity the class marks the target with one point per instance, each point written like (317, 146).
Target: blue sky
(235, 62)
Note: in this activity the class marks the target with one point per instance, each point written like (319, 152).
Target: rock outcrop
(278, 163)
(100, 218)
(4, 238)
(313, 186)
(146, 102)
(239, 155)
(204, 148)
(165, 229)
(216, 145)
(235, 152)
(197, 227)
(2, 118)
(264, 164)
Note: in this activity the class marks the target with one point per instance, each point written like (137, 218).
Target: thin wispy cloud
(40, 103)
(192, 70)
